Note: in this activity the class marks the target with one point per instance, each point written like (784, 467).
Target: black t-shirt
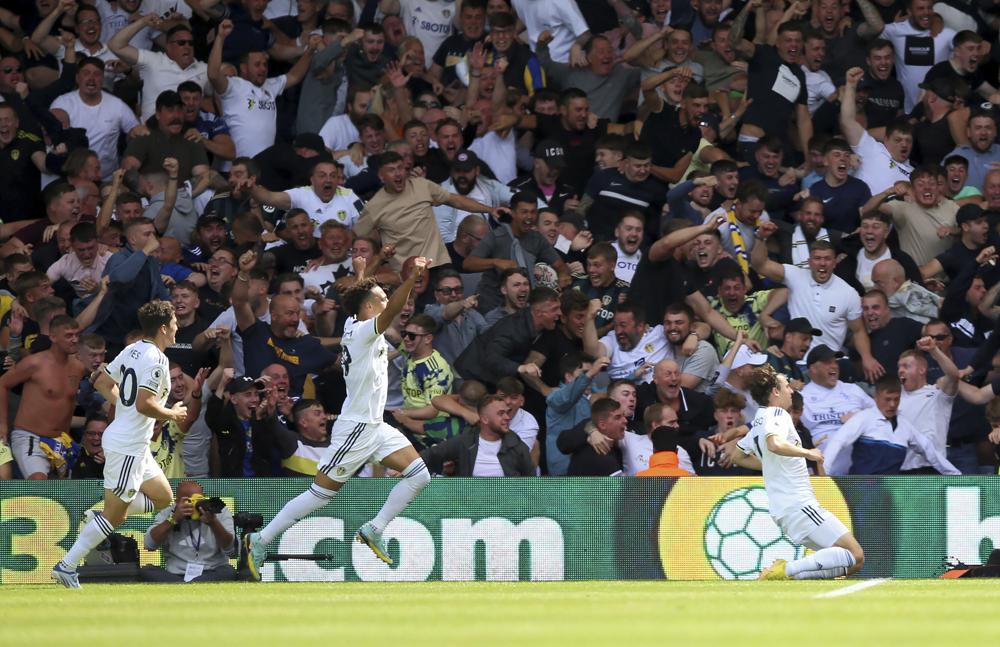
(707, 281)
(289, 258)
(969, 81)
(555, 345)
(560, 193)
(697, 414)
(299, 355)
(282, 168)
(888, 343)
(181, 351)
(884, 100)
(579, 147)
(20, 178)
(932, 141)
(450, 52)
(213, 303)
(667, 137)
(657, 285)
(957, 258)
(777, 87)
(614, 194)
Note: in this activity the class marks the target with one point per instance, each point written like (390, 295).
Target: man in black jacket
(607, 417)
(234, 421)
(493, 450)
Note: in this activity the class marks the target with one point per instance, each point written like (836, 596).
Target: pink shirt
(70, 268)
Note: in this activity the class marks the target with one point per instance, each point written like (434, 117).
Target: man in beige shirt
(402, 213)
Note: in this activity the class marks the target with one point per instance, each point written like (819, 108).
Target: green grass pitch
(897, 613)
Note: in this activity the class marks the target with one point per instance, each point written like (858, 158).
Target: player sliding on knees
(137, 381)
(774, 447)
(359, 434)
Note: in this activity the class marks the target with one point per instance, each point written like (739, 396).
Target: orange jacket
(664, 464)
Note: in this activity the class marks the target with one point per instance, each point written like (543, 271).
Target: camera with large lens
(202, 503)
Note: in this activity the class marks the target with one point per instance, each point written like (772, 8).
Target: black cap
(465, 161)
(241, 384)
(801, 324)
(312, 141)
(821, 353)
(710, 120)
(551, 152)
(941, 86)
(168, 99)
(969, 213)
(211, 219)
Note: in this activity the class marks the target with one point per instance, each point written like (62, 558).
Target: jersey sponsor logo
(435, 27)
(833, 308)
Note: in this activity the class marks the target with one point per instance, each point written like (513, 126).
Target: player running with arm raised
(773, 446)
(359, 435)
(137, 381)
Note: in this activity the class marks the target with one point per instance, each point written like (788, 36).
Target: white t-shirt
(365, 362)
(159, 73)
(525, 426)
(627, 263)
(103, 123)
(339, 132)
(636, 450)
(560, 17)
(324, 276)
(487, 461)
(252, 113)
(916, 53)
(824, 407)
(428, 20)
(344, 207)
(652, 347)
(499, 153)
(819, 86)
(865, 267)
(928, 409)
(786, 479)
(829, 306)
(878, 170)
(139, 366)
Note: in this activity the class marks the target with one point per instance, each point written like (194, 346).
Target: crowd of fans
(630, 205)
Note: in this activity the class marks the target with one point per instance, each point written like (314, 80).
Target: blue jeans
(965, 458)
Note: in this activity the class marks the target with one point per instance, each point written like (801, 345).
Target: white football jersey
(139, 366)
(786, 479)
(652, 347)
(366, 363)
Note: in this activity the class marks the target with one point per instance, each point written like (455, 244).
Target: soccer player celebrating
(774, 446)
(359, 434)
(138, 382)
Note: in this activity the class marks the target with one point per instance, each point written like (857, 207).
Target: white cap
(746, 356)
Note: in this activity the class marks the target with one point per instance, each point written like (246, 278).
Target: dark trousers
(158, 574)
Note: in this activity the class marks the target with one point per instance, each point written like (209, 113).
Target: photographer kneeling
(196, 536)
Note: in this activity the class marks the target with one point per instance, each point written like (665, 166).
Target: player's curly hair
(763, 381)
(153, 315)
(355, 296)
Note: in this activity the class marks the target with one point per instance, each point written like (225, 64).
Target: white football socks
(298, 508)
(833, 561)
(415, 478)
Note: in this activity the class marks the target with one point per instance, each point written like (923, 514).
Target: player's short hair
(372, 121)
(154, 314)
(357, 295)
(487, 400)
(955, 159)
(763, 381)
(877, 215)
(333, 225)
(729, 271)
(601, 409)
(900, 125)
(62, 321)
(14, 259)
(303, 404)
(638, 151)
(611, 143)
(192, 87)
(924, 170)
(523, 197)
(135, 222)
(724, 166)
(726, 399)
(513, 271)
(615, 384)
(751, 189)
(634, 308)
(425, 322)
(877, 44)
(790, 25)
(252, 166)
(888, 384)
(569, 94)
(510, 385)
(603, 250)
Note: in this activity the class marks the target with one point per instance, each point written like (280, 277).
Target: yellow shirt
(166, 450)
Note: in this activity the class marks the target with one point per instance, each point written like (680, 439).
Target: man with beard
(517, 244)
(841, 195)
(816, 294)
(515, 286)
(466, 180)
(102, 115)
(982, 151)
(926, 224)
(632, 347)
(794, 240)
(324, 199)
(697, 368)
(164, 140)
(628, 239)
(882, 164)
(917, 47)
(829, 403)
(209, 235)
(602, 284)
(300, 244)
(751, 315)
(159, 71)
(611, 191)
(50, 379)
(249, 101)
(968, 249)
(340, 131)
(205, 128)
(280, 341)
(547, 167)
(890, 334)
(795, 344)
(856, 267)
(214, 295)
(881, 91)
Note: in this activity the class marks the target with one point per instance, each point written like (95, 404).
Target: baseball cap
(311, 141)
(465, 160)
(551, 152)
(968, 213)
(940, 86)
(745, 356)
(210, 219)
(240, 384)
(710, 120)
(821, 353)
(801, 324)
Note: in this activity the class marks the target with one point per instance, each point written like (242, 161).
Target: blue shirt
(842, 204)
